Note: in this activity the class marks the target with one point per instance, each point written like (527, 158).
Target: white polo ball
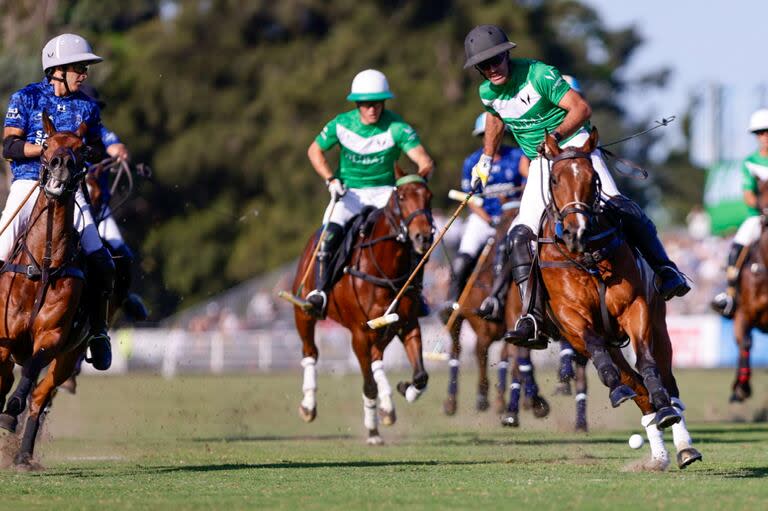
(636, 441)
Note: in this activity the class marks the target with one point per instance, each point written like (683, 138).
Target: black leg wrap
(462, 267)
(420, 380)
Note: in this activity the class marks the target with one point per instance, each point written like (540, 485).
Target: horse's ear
(48, 126)
(551, 146)
(399, 172)
(81, 130)
(592, 142)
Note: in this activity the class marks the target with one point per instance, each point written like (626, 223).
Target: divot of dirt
(645, 465)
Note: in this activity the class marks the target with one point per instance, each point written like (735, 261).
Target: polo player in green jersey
(753, 168)
(371, 139)
(532, 99)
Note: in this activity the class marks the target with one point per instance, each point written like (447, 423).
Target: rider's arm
(419, 156)
(578, 111)
(494, 132)
(115, 148)
(750, 198)
(318, 161)
(523, 166)
(15, 147)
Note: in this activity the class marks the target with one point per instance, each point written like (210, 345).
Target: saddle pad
(362, 222)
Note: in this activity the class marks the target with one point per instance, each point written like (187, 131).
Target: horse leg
(742, 389)
(450, 403)
(565, 371)
(580, 380)
(361, 344)
(532, 400)
(18, 401)
(501, 386)
(662, 352)
(386, 406)
(412, 343)
(512, 416)
(71, 384)
(305, 325)
(619, 390)
(481, 352)
(60, 369)
(6, 375)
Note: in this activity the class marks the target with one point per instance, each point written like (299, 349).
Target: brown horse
(599, 294)
(380, 261)
(42, 287)
(752, 310)
(487, 332)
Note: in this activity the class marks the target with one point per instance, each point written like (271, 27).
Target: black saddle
(357, 226)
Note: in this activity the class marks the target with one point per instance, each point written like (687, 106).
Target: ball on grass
(636, 441)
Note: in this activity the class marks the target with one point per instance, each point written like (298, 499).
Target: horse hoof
(8, 422)
(688, 456)
(540, 407)
(374, 438)
(449, 406)
(740, 393)
(620, 394)
(23, 461)
(387, 418)
(581, 427)
(510, 420)
(402, 387)
(306, 414)
(666, 417)
(482, 404)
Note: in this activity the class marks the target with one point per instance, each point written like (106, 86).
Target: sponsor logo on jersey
(61, 108)
(13, 114)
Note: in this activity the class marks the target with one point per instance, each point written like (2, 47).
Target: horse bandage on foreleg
(412, 393)
(310, 382)
(370, 418)
(382, 383)
(655, 438)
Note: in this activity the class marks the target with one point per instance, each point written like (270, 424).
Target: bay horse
(381, 259)
(487, 332)
(42, 285)
(599, 295)
(752, 309)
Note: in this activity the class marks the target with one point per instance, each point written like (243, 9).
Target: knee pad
(520, 238)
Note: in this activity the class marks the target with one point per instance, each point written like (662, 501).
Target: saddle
(358, 226)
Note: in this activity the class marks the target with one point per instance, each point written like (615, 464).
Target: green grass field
(236, 442)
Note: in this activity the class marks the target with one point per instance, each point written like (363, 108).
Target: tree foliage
(223, 97)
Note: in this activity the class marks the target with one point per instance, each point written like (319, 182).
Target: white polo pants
(748, 232)
(354, 201)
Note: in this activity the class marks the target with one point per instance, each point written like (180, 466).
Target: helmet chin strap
(63, 80)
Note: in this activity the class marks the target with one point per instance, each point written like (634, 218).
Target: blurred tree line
(223, 97)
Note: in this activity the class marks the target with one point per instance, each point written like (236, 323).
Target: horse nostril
(56, 161)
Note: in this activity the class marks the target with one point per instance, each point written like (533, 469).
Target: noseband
(74, 179)
(401, 223)
(573, 207)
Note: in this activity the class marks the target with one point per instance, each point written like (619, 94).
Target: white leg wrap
(525, 368)
(655, 438)
(581, 396)
(503, 364)
(385, 390)
(514, 386)
(370, 419)
(680, 435)
(454, 362)
(310, 382)
(412, 393)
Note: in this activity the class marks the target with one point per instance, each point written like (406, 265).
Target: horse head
(410, 203)
(574, 188)
(62, 160)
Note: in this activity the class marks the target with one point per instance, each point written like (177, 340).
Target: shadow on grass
(274, 438)
(742, 473)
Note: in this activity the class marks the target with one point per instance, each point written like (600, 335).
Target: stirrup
(724, 304)
(318, 309)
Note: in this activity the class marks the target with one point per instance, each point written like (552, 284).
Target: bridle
(401, 223)
(573, 207)
(70, 186)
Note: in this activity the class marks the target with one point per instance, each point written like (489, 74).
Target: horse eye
(45, 146)
(401, 196)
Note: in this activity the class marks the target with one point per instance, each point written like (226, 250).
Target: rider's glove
(335, 188)
(495, 221)
(481, 171)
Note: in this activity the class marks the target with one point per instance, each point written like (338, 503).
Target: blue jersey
(504, 172)
(25, 112)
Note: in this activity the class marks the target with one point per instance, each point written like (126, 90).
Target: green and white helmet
(67, 49)
(370, 85)
(758, 121)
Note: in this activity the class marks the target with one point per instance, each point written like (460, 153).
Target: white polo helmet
(67, 49)
(758, 121)
(370, 85)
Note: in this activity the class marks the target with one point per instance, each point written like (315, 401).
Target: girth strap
(33, 273)
(376, 281)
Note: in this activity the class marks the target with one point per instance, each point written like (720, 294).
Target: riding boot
(725, 302)
(131, 303)
(641, 233)
(99, 287)
(318, 297)
(462, 268)
(492, 308)
(527, 332)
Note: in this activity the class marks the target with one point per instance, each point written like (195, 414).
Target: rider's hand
(481, 171)
(335, 188)
(119, 152)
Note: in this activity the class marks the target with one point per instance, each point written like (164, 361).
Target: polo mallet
(294, 299)
(437, 352)
(31, 191)
(389, 316)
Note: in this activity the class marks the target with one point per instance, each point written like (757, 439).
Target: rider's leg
(641, 233)
(19, 190)
(99, 286)
(462, 267)
(328, 246)
(492, 307)
(749, 231)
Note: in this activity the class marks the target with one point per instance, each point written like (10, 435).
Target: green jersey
(754, 169)
(528, 102)
(368, 151)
